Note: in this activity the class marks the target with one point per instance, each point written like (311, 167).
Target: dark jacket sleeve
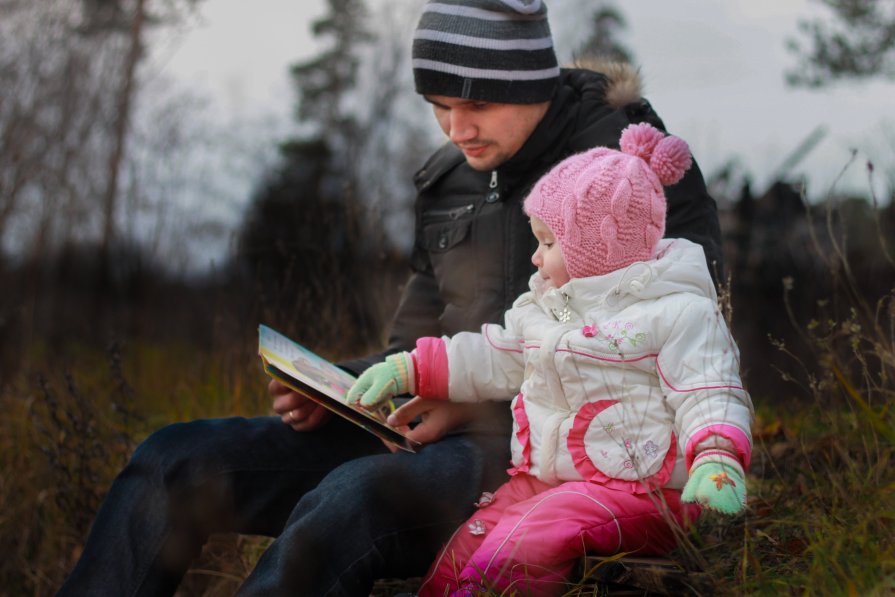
(420, 306)
(692, 214)
(416, 316)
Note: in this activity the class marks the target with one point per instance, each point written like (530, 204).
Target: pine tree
(602, 42)
(306, 240)
(859, 43)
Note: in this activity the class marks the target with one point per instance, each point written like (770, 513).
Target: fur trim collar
(624, 85)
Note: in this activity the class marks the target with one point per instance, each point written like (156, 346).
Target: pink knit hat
(606, 207)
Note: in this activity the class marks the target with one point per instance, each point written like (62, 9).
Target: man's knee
(400, 490)
(179, 454)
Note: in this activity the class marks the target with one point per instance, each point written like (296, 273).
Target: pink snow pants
(531, 534)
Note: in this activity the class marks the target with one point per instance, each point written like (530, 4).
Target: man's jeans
(345, 511)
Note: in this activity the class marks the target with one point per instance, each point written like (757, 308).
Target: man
(344, 509)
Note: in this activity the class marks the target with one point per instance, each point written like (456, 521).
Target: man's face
(487, 133)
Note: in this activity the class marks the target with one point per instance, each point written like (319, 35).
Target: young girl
(625, 377)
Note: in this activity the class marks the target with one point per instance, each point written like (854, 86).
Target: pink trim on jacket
(589, 471)
(523, 436)
(432, 369)
(494, 345)
(720, 455)
(697, 388)
(606, 359)
(735, 435)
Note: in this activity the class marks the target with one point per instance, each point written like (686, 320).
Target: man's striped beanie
(489, 50)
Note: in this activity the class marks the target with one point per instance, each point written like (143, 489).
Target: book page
(325, 383)
(293, 358)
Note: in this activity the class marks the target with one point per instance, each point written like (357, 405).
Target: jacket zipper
(453, 213)
(493, 195)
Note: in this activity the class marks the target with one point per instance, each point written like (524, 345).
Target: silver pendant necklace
(564, 315)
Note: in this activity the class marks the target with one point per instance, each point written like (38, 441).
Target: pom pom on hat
(670, 160)
(640, 140)
(669, 157)
(607, 207)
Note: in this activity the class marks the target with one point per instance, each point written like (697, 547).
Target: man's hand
(297, 411)
(437, 418)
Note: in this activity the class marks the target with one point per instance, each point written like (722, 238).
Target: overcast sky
(714, 70)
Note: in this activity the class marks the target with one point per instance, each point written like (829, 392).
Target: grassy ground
(821, 516)
(821, 519)
(70, 425)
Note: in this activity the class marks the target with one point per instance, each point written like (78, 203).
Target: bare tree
(52, 122)
(69, 76)
(121, 117)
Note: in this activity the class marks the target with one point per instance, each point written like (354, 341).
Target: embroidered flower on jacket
(476, 527)
(624, 334)
(590, 330)
(650, 448)
(485, 500)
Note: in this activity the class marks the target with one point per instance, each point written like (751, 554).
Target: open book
(319, 380)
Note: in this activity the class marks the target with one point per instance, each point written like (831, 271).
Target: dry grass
(69, 426)
(821, 519)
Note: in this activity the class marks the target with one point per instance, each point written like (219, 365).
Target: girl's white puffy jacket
(619, 379)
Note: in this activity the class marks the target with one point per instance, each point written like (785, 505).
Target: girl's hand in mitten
(382, 381)
(717, 482)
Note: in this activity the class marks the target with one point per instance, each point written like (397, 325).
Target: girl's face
(548, 256)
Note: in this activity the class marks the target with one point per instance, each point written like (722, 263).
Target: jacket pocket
(619, 449)
(443, 236)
